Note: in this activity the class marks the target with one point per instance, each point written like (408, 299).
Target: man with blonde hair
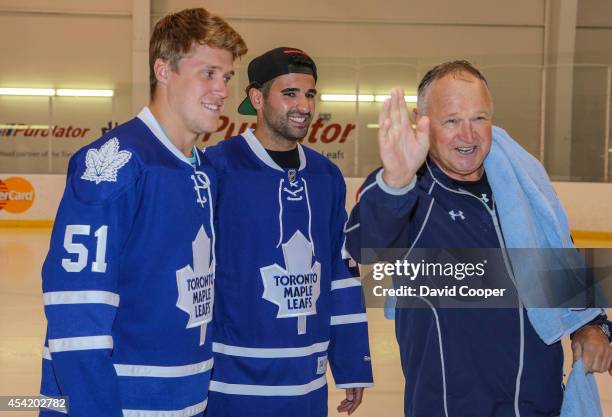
(128, 281)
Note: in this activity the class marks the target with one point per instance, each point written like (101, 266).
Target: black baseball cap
(278, 61)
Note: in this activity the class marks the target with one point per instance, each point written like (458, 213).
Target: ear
(162, 69)
(257, 98)
(416, 114)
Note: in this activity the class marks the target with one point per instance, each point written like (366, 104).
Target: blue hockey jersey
(128, 280)
(287, 299)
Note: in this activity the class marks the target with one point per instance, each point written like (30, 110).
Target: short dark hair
(265, 88)
(444, 69)
(175, 35)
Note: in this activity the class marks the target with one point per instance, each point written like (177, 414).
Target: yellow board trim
(591, 235)
(576, 234)
(40, 224)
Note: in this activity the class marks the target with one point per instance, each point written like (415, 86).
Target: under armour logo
(484, 198)
(457, 214)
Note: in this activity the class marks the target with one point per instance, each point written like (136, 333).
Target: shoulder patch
(103, 164)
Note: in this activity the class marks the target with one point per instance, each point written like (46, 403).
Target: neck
(271, 140)
(177, 133)
(471, 177)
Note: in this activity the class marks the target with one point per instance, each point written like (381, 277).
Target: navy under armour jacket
(457, 362)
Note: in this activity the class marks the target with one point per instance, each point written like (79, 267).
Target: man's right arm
(80, 291)
(380, 218)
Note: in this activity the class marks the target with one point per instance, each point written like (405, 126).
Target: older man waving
(434, 192)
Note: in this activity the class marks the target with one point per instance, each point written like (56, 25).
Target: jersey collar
(264, 157)
(151, 122)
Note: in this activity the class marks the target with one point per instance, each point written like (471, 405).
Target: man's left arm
(349, 351)
(591, 343)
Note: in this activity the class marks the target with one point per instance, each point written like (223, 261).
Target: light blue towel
(581, 397)
(532, 216)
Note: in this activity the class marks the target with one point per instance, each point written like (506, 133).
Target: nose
(467, 132)
(221, 88)
(304, 104)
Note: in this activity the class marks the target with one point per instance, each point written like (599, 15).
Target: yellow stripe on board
(46, 224)
(39, 223)
(591, 235)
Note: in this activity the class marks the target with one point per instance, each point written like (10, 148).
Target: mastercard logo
(16, 195)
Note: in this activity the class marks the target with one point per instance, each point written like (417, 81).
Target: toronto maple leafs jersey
(288, 300)
(128, 280)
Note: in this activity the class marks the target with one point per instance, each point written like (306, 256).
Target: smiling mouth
(213, 107)
(466, 150)
(299, 120)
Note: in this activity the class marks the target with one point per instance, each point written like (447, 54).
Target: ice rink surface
(22, 324)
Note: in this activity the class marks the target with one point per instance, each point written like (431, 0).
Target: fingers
(354, 396)
(384, 112)
(607, 361)
(422, 131)
(384, 123)
(396, 118)
(576, 352)
(358, 392)
(593, 348)
(403, 109)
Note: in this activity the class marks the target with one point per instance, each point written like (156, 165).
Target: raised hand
(402, 150)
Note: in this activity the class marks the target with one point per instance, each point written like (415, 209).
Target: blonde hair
(175, 35)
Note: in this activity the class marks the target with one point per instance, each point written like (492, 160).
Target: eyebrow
(293, 89)
(217, 67)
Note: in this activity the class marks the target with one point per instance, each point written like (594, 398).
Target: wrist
(397, 181)
(396, 191)
(595, 329)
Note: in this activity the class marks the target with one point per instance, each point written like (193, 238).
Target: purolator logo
(16, 195)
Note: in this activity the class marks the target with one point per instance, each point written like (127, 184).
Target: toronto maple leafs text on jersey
(288, 298)
(128, 281)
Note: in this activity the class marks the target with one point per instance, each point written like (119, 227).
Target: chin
(209, 127)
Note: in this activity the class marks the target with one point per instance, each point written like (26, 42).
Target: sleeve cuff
(356, 385)
(393, 190)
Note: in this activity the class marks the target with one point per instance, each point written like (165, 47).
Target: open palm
(402, 150)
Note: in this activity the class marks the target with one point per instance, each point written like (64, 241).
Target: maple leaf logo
(104, 163)
(196, 285)
(295, 289)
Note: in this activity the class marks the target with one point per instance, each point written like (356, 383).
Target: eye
(311, 95)
(289, 94)
(227, 78)
(210, 74)
(450, 122)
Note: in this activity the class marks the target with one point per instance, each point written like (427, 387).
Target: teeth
(212, 107)
(297, 119)
(466, 149)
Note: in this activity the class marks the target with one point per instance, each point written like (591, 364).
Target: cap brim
(247, 108)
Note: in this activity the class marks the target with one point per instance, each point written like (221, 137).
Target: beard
(280, 125)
